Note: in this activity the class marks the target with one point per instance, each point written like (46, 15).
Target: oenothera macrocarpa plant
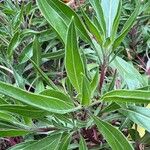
(76, 115)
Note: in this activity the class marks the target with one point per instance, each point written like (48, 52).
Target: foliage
(75, 78)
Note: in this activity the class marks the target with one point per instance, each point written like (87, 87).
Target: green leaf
(37, 60)
(110, 8)
(130, 96)
(112, 107)
(128, 73)
(113, 136)
(127, 26)
(50, 142)
(116, 21)
(99, 13)
(107, 43)
(36, 52)
(44, 76)
(2, 101)
(93, 29)
(59, 19)
(54, 55)
(138, 115)
(52, 16)
(57, 94)
(7, 125)
(112, 83)
(8, 117)
(18, 18)
(73, 62)
(26, 54)
(13, 132)
(24, 110)
(22, 145)
(47, 103)
(86, 91)
(65, 142)
(82, 144)
(62, 8)
(13, 44)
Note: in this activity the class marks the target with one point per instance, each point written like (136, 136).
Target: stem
(47, 129)
(138, 57)
(103, 73)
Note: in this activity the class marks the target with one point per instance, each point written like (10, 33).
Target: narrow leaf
(130, 96)
(116, 21)
(50, 142)
(24, 110)
(13, 44)
(54, 55)
(113, 136)
(86, 91)
(13, 132)
(127, 26)
(99, 13)
(59, 25)
(109, 8)
(36, 52)
(95, 81)
(21, 145)
(73, 62)
(65, 142)
(82, 144)
(47, 103)
(44, 76)
(93, 29)
(138, 115)
(55, 14)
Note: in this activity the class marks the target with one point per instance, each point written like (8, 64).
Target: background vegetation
(74, 75)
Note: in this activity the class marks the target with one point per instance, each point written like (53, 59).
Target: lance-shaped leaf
(110, 8)
(21, 145)
(55, 20)
(13, 44)
(50, 142)
(139, 115)
(94, 82)
(116, 21)
(13, 132)
(127, 26)
(98, 34)
(54, 55)
(44, 76)
(99, 13)
(82, 144)
(113, 136)
(130, 96)
(24, 110)
(65, 141)
(9, 118)
(36, 52)
(128, 73)
(47, 103)
(73, 62)
(55, 13)
(86, 91)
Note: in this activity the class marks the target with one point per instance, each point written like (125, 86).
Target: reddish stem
(47, 129)
(102, 76)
